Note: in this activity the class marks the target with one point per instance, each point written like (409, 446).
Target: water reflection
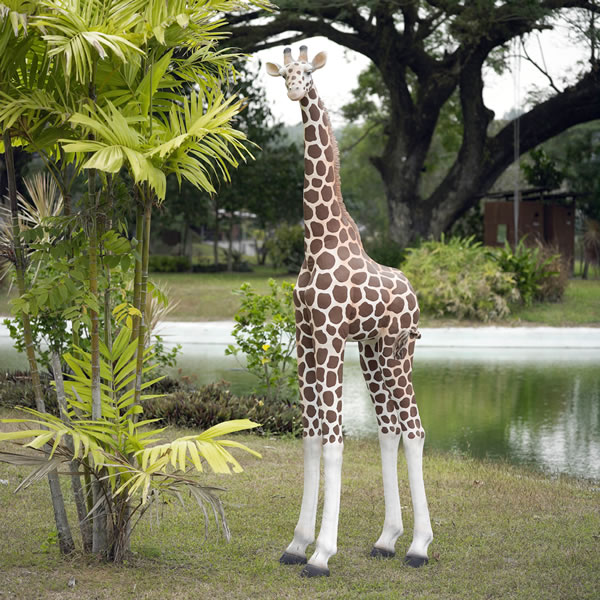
(538, 407)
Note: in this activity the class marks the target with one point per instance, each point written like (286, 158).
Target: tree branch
(543, 71)
(364, 134)
(576, 104)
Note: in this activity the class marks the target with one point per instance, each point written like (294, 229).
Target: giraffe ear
(273, 69)
(319, 60)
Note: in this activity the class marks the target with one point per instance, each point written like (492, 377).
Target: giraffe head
(297, 73)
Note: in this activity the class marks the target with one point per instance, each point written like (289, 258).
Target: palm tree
(112, 85)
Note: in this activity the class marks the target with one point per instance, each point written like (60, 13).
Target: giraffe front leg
(304, 533)
(329, 358)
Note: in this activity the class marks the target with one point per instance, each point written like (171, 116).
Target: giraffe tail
(406, 335)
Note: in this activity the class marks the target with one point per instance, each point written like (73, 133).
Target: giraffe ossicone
(343, 295)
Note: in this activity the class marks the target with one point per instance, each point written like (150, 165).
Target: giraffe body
(343, 295)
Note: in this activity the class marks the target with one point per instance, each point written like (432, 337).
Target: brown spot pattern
(341, 294)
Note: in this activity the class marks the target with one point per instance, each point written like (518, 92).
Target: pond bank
(219, 332)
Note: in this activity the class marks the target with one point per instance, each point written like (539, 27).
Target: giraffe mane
(336, 154)
(336, 164)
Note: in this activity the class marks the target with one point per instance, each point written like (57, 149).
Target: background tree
(270, 186)
(427, 52)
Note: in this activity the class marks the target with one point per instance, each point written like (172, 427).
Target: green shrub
(211, 404)
(286, 247)
(386, 252)
(161, 263)
(265, 332)
(16, 389)
(539, 271)
(183, 406)
(458, 278)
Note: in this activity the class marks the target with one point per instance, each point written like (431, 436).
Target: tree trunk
(78, 491)
(99, 526)
(137, 281)
(216, 235)
(230, 245)
(65, 539)
(143, 294)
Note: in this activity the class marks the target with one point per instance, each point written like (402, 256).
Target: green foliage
(210, 404)
(543, 171)
(103, 88)
(50, 541)
(119, 452)
(286, 247)
(538, 272)
(362, 187)
(169, 264)
(577, 152)
(265, 332)
(457, 278)
(386, 252)
(16, 389)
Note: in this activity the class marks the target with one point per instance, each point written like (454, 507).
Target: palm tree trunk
(143, 293)
(216, 234)
(137, 282)
(99, 527)
(78, 491)
(65, 539)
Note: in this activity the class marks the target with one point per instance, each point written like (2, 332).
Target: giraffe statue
(342, 294)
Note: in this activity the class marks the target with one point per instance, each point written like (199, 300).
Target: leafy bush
(16, 389)
(265, 331)
(286, 248)
(180, 405)
(162, 263)
(538, 271)
(386, 252)
(458, 278)
(211, 404)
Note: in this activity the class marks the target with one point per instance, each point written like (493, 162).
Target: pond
(529, 396)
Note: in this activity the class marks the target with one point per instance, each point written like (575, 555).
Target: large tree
(426, 51)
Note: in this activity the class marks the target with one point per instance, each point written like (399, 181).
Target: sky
(501, 93)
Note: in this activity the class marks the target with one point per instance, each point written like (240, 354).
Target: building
(544, 217)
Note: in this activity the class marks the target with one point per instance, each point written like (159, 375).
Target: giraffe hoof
(381, 553)
(312, 571)
(415, 561)
(292, 559)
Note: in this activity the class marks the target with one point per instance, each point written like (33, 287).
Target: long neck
(327, 222)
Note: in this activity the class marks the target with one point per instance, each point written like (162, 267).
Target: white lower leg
(327, 540)
(304, 534)
(392, 525)
(423, 535)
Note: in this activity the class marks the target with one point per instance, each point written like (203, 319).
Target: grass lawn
(211, 297)
(500, 532)
(580, 306)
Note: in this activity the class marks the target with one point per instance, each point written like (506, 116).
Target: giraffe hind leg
(396, 364)
(389, 439)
